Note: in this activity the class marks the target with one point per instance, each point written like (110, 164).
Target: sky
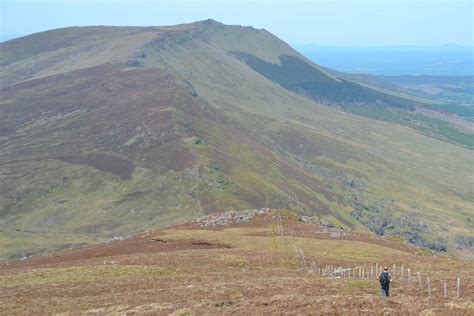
(356, 23)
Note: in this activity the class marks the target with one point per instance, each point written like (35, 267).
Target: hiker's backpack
(384, 279)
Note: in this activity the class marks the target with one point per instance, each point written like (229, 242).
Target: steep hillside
(109, 131)
(251, 262)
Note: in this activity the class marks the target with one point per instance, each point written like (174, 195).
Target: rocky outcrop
(230, 217)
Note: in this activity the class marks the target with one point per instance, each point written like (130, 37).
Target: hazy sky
(332, 23)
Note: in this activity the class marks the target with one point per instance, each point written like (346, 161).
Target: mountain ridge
(143, 129)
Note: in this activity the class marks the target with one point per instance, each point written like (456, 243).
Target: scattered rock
(352, 184)
(199, 141)
(326, 223)
(465, 241)
(226, 218)
(308, 219)
(111, 262)
(304, 218)
(338, 234)
(115, 238)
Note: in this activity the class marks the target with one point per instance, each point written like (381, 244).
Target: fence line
(458, 288)
(363, 272)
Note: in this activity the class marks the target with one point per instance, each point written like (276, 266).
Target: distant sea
(449, 60)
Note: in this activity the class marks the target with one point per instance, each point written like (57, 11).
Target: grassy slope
(259, 145)
(62, 50)
(243, 268)
(415, 174)
(299, 76)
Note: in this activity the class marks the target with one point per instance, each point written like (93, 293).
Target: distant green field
(463, 110)
(455, 93)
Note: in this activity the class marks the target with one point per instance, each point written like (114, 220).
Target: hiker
(384, 279)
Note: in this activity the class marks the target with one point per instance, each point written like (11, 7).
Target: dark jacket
(385, 279)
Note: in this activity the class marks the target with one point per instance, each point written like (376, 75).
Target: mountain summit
(107, 131)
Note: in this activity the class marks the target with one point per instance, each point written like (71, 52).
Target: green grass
(272, 147)
(463, 110)
(356, 251)
(67, 49)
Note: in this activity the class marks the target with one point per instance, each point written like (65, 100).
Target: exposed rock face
(464, 241)
(326, 223)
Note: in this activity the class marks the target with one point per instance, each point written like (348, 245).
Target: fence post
(429, 286)
(401, 274)
(409, 280)
(458, 288)
(376, 268)
(371, 272)
(445, 290)
(419, 280)
(393, 276)
(300, 254)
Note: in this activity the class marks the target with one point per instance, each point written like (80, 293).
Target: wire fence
(402, 274)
